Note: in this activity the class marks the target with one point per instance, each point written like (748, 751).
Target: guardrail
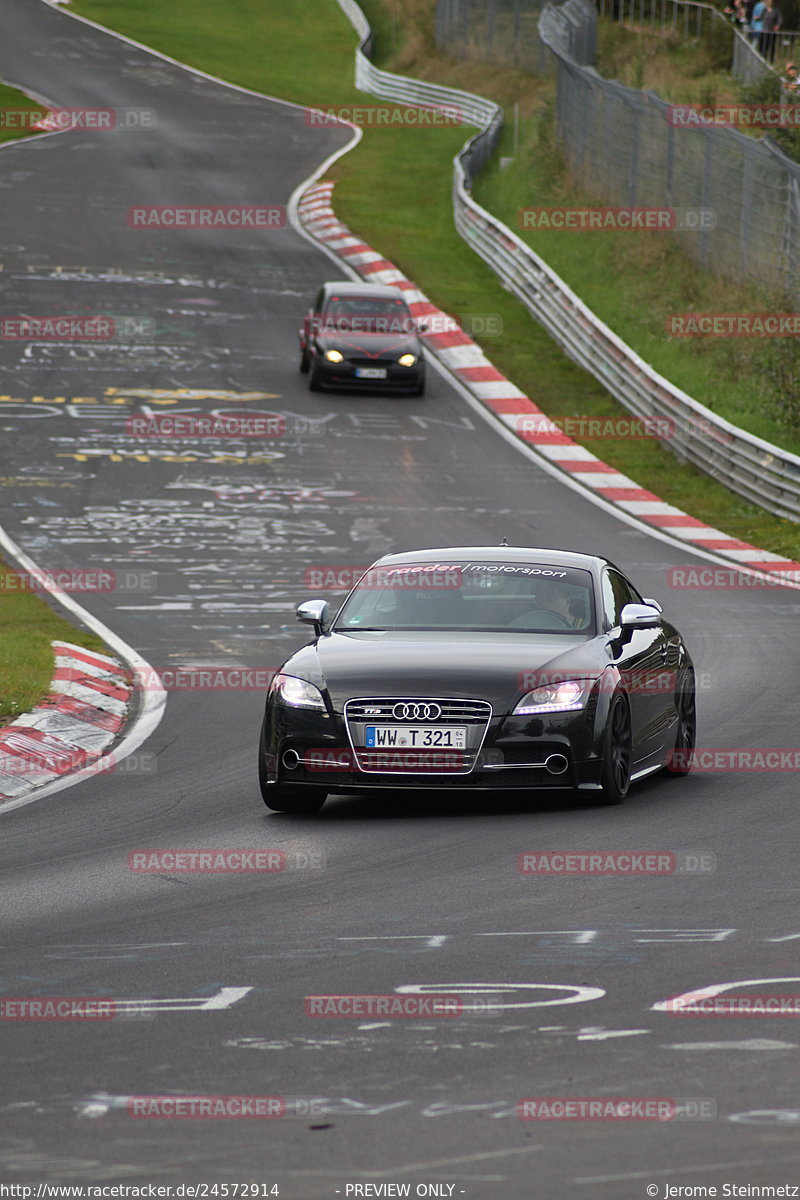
(756, 469)
(402, 89)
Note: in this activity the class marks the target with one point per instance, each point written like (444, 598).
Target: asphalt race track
(210, 543)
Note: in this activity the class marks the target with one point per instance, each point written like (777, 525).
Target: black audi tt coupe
(480, 668)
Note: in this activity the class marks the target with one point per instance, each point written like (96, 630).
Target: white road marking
(724, 1166)
(581, 994)
(598, 1034)
(747, 1044)
(224, 998)
(582, 936)
(433, 940)
(714, 989)
(442, 1162)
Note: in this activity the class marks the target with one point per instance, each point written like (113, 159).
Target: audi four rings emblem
(410, 711)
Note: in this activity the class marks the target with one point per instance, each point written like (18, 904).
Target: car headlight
(297, 693)
(334, 356)
(407, 360)
(567, 696)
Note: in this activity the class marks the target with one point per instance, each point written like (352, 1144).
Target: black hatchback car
(361, 335)
(480, 668)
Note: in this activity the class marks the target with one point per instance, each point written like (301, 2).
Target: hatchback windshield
(486, 597)
(373, 314)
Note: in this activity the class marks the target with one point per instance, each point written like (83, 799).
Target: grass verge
(16, 114)
(27, 627)
(394, 191)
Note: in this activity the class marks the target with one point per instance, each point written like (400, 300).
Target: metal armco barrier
(761, 472)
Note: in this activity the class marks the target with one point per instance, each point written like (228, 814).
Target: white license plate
(416, 737)
(371, 372)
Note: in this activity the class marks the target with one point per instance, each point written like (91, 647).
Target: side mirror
(316, 613)
(639, 616)
(653, 604)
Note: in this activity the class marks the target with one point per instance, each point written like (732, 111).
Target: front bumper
(310, 749)
(343, 375)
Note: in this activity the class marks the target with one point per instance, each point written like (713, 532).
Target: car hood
(369, 345)
(495, 667)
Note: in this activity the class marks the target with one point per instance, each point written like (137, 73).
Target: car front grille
(453, 712)
(434, 711)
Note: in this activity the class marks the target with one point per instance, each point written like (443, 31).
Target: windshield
(485, 597)
(372, 314)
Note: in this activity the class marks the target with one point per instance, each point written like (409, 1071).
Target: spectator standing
(770, 24)
(756, 20)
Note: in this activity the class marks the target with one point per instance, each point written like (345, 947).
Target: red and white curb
(84, 712)
(465, 359)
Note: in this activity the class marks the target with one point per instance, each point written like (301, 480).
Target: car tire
(291, 799)
(615, 778)
(281, 797)
(314, 378)
(303, 363)
(679, 762)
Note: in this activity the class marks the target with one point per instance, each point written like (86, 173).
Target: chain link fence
(757, 470)
(504, 31)
(631, 148)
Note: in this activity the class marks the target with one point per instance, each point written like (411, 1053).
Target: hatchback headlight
(334, 356)
(297, 693)
(407, 360)
(567, 696)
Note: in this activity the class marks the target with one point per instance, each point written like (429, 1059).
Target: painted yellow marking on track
(190, 394)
